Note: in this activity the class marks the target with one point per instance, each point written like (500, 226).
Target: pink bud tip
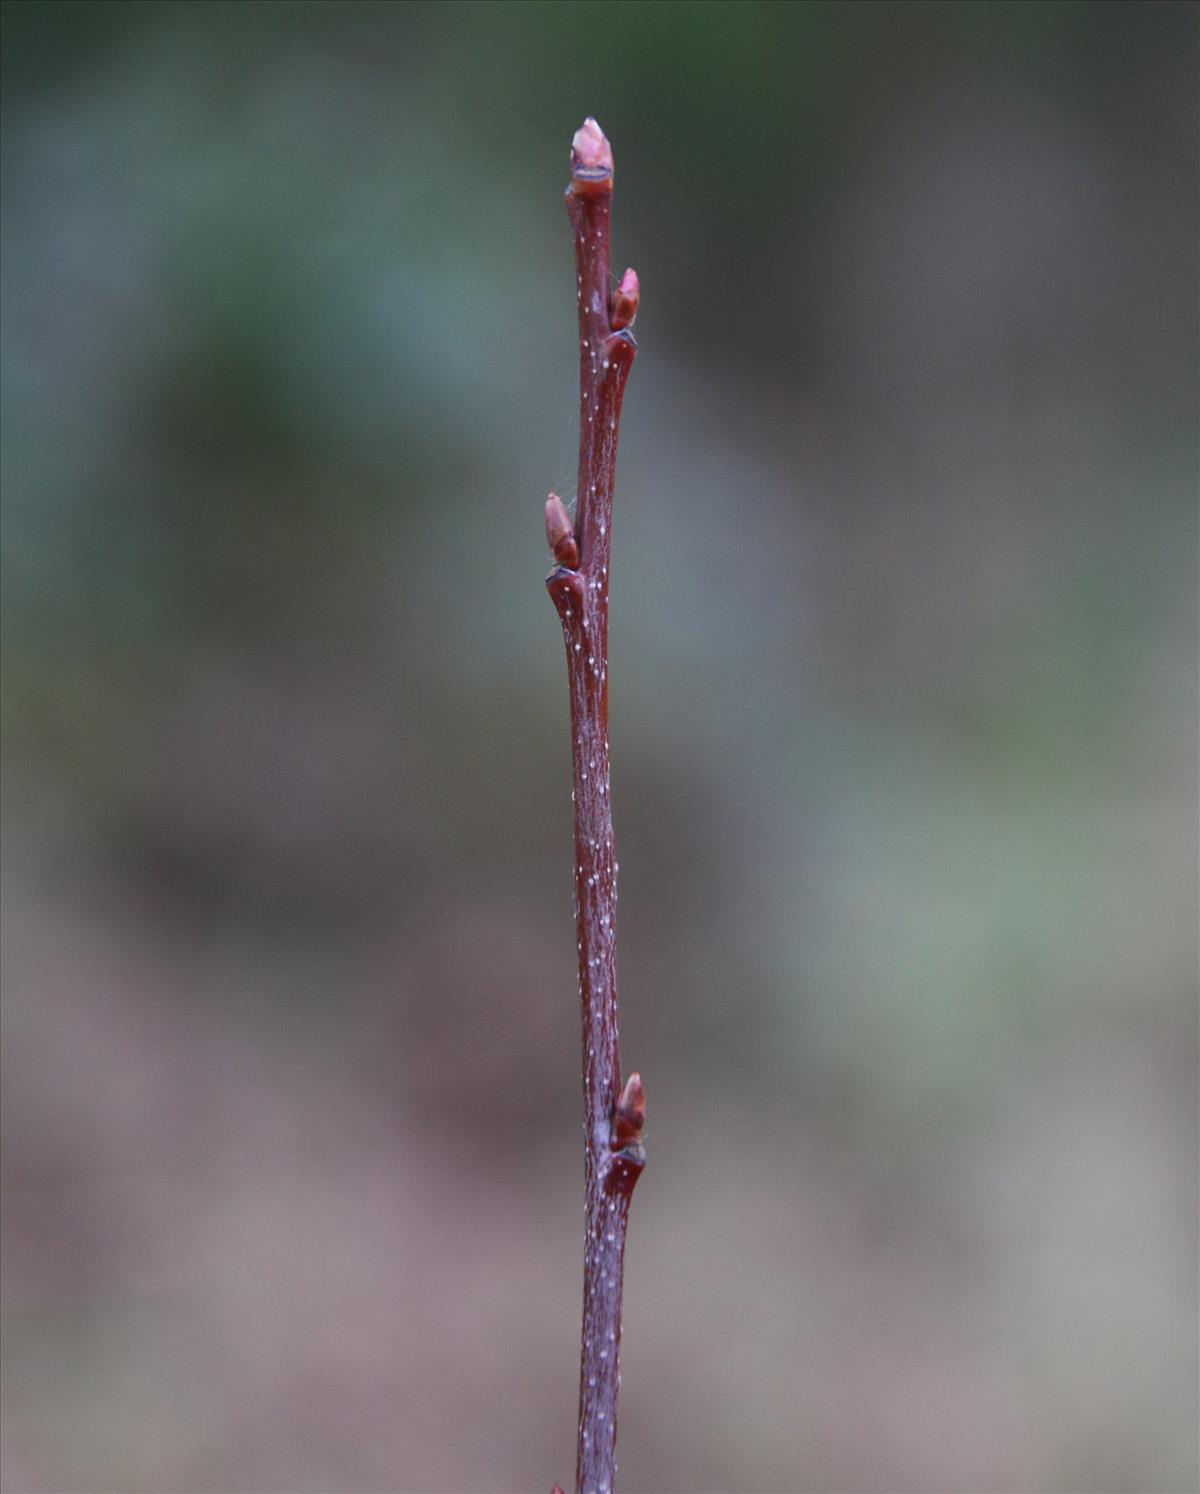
(560, 533)
(591, 158)
(624, 301)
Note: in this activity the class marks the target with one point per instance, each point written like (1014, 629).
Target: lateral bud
(560, 533)
(624, 306)
(629, 1117)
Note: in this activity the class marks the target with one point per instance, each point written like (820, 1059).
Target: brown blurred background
(904, 742)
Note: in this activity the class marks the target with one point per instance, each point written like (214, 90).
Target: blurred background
(903, 724)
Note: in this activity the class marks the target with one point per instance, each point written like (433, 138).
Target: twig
(578, 586)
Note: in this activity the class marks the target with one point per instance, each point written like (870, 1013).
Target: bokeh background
(904, 738)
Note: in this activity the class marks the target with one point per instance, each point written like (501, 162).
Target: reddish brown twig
(578, 586)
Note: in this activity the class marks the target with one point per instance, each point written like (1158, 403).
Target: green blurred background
(904, 743)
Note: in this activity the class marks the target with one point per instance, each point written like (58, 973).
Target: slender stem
(578, 586)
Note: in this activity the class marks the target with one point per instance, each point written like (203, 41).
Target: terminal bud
(591, 159)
